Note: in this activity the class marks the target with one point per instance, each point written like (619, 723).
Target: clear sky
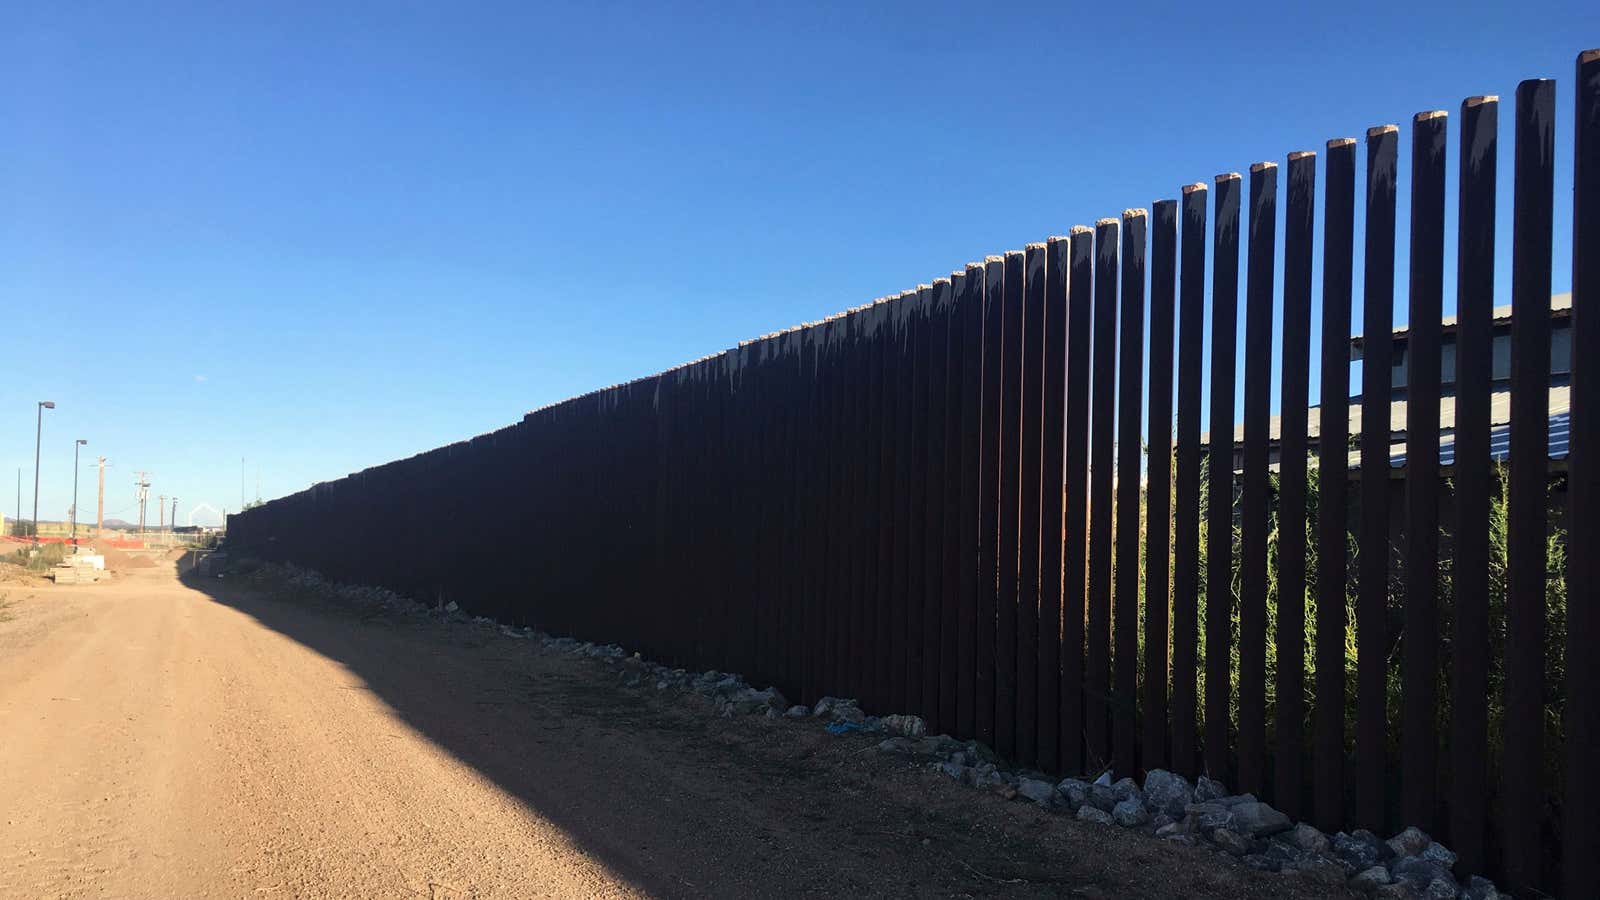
(321, 236)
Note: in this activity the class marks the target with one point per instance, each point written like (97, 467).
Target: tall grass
(40, 559)
(1393, 638)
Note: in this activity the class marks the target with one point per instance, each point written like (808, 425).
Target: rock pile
(311, 585)
(1167, 806)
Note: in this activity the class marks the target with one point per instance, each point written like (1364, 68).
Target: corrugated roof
(1560, 305)
(1499, 414)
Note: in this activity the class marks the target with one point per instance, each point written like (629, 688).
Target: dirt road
(157, 740)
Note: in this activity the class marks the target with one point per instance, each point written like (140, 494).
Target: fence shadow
(513, 733)
(668, 798)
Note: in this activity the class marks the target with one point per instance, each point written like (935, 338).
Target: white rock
(1042, 792)
(1087, 813)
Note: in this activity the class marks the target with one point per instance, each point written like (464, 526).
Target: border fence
(940, 503)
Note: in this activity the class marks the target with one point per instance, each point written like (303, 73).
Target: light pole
(75, 447)
(38, 432)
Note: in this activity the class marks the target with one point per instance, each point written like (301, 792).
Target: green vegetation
(1392, 640)
(46, 557)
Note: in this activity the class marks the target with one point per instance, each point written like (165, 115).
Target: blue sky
(322, 236)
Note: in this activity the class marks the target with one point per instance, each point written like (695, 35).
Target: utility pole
(75, 448)
(161, 513)
(174, 520)
(100, 504)
(16, 527)
(142, 483)
(38, 435)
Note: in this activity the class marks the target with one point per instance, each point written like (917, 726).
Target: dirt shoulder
(683, 802)
(204, 738)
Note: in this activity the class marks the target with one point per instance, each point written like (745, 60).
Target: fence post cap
(1197, 186)
(1470, 102)
(1589, 56)
(1137, 212)
(1228, 176)
(1378, 131)
(1263, 166)
(1301, 154)
(1081, 229)
(1429, 115)
(1340, 142)
(1107, 222)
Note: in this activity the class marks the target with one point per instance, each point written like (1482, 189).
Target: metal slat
(1219, 510)
(1030, 510)
(1255, 504)
(1158, 503)
(989, 497)
(934, 550)
(916, 459)
(1051, 478)
(1005, 642)
(1469, 725)
(970, 311)
(1289, 792)
(1532, 211)
(1377, 319)
(1186, 484)
(1075, 532)
(1582, 835)
(1125, 621)
(1419, 700)
(1097, 671)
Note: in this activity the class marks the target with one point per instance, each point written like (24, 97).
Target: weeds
(40, 559)
(1390, 643)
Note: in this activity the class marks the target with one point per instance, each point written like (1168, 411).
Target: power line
(142, 483)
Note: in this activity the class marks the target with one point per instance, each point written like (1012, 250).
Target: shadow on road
(663, 793)
(680, 802)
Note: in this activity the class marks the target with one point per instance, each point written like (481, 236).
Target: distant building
(1499, 401)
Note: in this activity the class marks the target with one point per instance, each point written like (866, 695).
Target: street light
(38, 432)
(75, 447)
